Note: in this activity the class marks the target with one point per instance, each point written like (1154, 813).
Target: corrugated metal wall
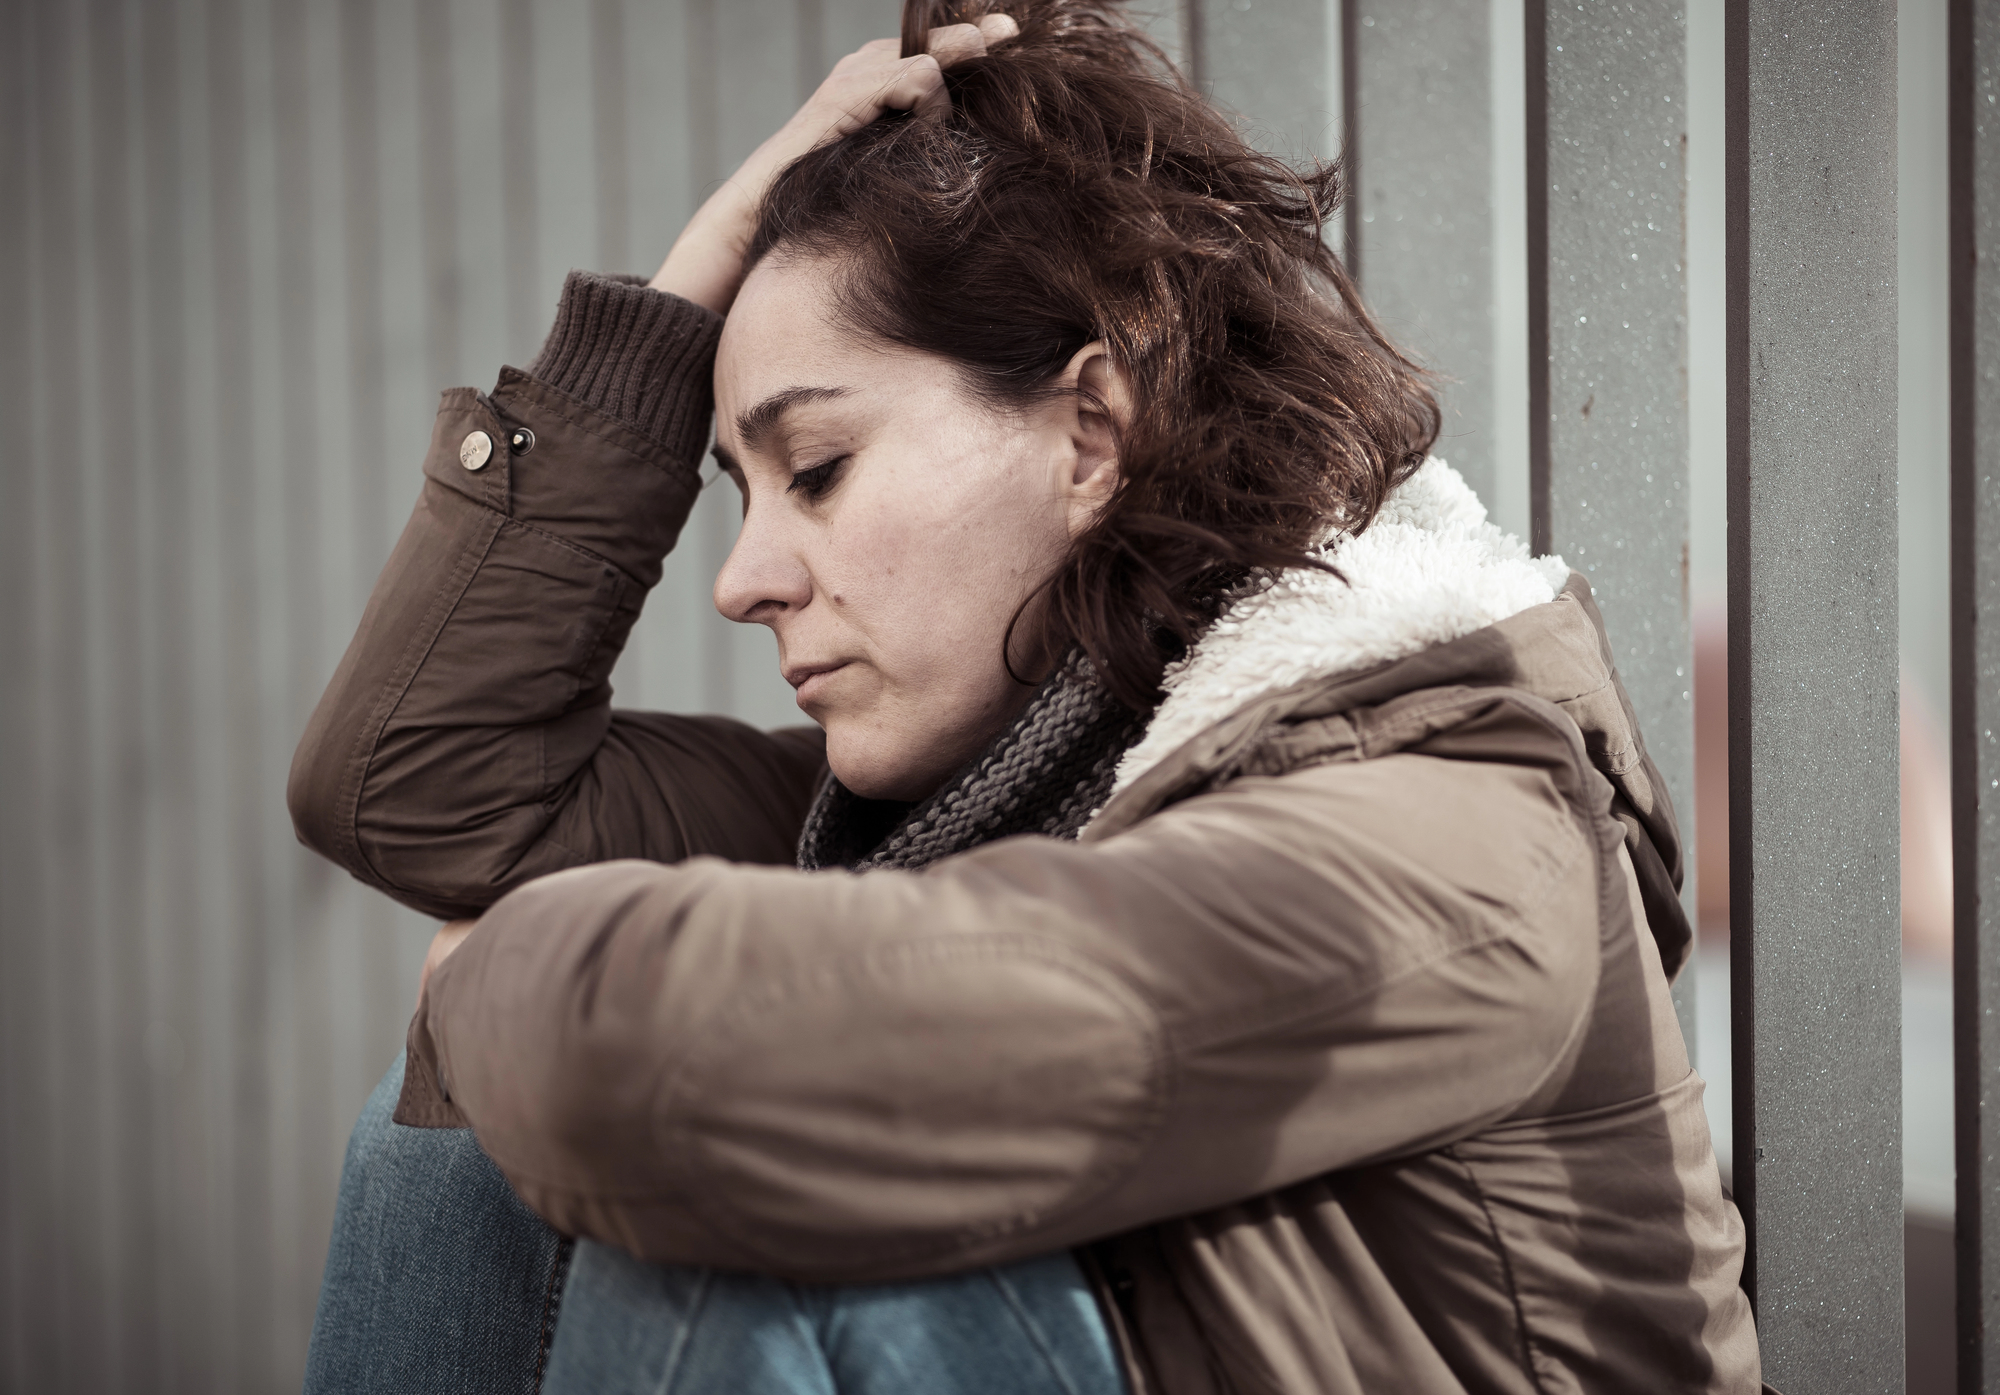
(244, 245)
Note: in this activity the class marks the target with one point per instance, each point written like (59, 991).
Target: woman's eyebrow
(753, 424)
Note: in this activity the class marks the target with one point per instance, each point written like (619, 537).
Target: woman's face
(893, 523)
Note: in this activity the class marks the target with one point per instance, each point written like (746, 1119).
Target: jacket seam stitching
(543, 784)
(1596, 1112)
(1204, 1034)
(1416, 715)
(1506, 1258)
(1208, 1032)
(549, 535)
(1594, 849)
(368, 741)
(551, 1302)
(1231, 766)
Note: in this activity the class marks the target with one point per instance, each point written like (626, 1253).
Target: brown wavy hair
(1081, 189)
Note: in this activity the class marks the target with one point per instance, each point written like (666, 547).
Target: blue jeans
(438, 1279)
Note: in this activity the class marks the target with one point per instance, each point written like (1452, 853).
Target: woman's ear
(1103, 409)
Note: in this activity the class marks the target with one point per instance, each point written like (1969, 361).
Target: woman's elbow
(430, 865)
(312, 796)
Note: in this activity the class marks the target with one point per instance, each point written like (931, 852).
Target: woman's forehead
(783, 335)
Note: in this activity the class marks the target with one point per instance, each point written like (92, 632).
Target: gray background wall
(244, 243)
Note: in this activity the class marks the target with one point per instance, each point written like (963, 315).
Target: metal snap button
(475, 450)
(522, 441)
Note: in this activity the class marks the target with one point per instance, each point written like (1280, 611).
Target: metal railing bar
(1536, 49)
(1420, 95)
(1607, 352)
(1350, 132)
(1813, 684)
(1974, 180)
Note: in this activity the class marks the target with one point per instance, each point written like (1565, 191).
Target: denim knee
(437, 1277)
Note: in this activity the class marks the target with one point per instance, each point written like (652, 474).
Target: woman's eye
(816, 481)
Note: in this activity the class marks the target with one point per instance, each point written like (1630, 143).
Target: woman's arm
(466, 743)
(1036, 1044)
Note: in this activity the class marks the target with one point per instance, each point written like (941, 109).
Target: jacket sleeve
(466, 743)
(840, 1077)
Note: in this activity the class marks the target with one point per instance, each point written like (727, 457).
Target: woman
(1257, 966)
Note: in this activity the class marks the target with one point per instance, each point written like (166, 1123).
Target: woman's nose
(762, 577)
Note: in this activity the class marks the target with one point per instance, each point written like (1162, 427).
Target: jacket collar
(1429, 569)
(1431, 596)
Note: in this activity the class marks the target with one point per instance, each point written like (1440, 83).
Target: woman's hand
(447, 939)
(706, 264)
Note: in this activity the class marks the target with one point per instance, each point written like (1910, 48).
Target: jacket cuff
(425, 1103)
(636, 354)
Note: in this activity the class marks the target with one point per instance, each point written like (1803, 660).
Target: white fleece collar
(1428, 570)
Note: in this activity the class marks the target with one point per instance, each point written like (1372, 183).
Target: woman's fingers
(998, 28)
(706, 263)
(921, 86)
(954, 43)
(917, 85)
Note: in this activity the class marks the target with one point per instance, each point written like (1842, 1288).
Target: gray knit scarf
(1046, 774)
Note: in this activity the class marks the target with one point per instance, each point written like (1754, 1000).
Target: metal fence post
(1813, 682)
(1975, 674)
(1420, 220)
(1270, 65)
(1607, 350)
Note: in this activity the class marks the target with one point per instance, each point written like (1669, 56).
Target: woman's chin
(871, 782)
(868, 769)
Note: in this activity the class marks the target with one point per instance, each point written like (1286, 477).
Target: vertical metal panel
(170, 874)
(1421, 235)
(485, 167)
(1607, 350)
(131, 1349)
(1974, 95)
(1811, 97)
(38, 1219)
(609, 134)
(1167, 23)
(238, 950)
(844, 26)
(84, 452)
(301, 1149)
(438, 175)
(20, 1281)
(1267, 63)
(517, 178)
(64, 832)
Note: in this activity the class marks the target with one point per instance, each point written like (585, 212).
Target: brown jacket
(1338, 1045)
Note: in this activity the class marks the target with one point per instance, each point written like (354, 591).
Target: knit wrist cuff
(637, 354)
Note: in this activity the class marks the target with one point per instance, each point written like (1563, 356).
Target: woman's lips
(809, 680)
